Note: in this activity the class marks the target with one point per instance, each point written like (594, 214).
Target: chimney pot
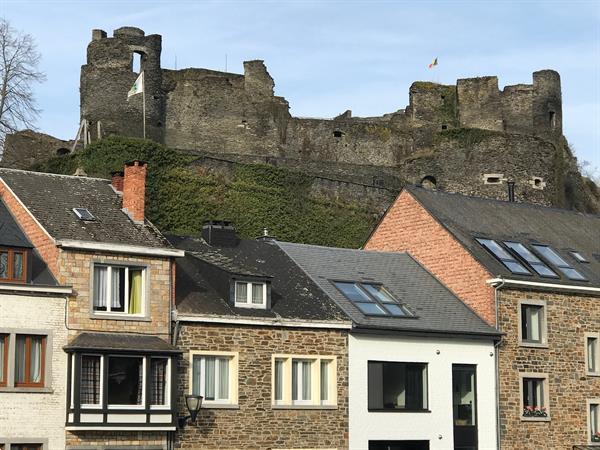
(134, 190)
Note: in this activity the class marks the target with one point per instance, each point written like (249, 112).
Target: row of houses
(464, 323)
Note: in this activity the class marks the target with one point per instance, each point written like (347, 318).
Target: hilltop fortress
(470, 137)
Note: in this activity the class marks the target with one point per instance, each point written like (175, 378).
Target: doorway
(464, 406)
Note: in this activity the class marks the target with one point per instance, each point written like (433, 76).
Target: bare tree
(19, 61)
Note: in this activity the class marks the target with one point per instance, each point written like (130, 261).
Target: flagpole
(144, 104)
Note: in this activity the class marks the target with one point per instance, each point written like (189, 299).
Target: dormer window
(13, 265)
(251, 294)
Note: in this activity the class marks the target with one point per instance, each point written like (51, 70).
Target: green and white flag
(138, 86)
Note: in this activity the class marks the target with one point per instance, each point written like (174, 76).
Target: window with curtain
(534, 403)
(211, 378)
(13, 265)
(397, 386)
(29, 360)
(125, 380)
(90, 380)
(118, 289)
(303, 381)
(532, 323)
(3, 359)
(250, 295)
(26, 447)
(593, 358)
(158, 381)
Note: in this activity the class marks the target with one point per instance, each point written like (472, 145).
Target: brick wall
(255, 425)
(569, 317)
(407, 226)
(106, 439)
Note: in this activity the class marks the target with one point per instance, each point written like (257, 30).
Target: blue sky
(329, 56)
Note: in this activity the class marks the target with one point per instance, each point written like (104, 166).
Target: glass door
(464, 406)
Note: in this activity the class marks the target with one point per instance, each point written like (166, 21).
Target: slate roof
(204, 274)
(51, 199)
(435, 308)
(469, 217)
(120, 342)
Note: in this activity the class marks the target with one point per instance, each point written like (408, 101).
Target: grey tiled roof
(119, 341)
(203, 281)
(435, 308)
(470, 217)
(51, 199)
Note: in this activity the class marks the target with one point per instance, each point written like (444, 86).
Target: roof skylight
(557, 260)
(371, 299)
(579, 257)
(84, 214)
(535, 262)
(505, 258)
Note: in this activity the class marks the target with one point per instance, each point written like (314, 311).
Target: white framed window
(214, 376)
(304, 380)
(250, 294)
(535, 397)
(592, 354)
(594, 421)
(533, 328)
(119, 289)
(125, 385)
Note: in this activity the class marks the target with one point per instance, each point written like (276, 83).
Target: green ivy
(180, 197)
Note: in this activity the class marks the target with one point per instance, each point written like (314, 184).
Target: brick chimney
(117, 180)
(134, 190)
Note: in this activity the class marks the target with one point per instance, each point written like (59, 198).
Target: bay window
(118, 289)
(214, 377)
(304, 380)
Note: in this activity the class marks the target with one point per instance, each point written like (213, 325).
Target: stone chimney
(117, 180)
(134, 190)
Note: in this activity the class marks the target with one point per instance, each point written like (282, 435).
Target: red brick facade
(407, 226)
(134, 190)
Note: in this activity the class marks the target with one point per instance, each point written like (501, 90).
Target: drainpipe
(497, 286)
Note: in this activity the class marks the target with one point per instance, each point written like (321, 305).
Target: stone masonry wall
(407, 226)
(255, 425)
(569, 317)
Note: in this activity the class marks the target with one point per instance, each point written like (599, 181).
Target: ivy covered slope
(180, 197)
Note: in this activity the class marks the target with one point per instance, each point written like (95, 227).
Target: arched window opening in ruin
(62, 151)
(337, 134)
(137, 61)
(552, 118)
(428, 182)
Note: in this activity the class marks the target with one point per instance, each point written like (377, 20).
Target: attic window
(372, 299)
(579, 257)
(84, 214)
(535, 262)
(505, 258)
(13, 265)
(562, 265)
(250, 294)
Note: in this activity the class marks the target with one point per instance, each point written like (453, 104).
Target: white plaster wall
(40, 416)
(365, 426)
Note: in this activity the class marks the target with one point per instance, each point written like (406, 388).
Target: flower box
(534, 411)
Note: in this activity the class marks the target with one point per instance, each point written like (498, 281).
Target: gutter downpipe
(498, 286)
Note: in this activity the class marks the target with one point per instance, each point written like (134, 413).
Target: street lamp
(193, 403)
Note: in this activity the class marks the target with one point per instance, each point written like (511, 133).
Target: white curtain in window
(20, 360)
(209, 378)
(116, 281)
(100, 288)
(241, 292)
(534, 323)
(539, 393)
(196, 375)
(306, 380)
(278, 379)
(324, 380)
(295, 365)
(18, 265)
(3, 265)
(257, 294)
(36, 359)
(594, 419)
(591, 352)
(2, 350)
(223, 390)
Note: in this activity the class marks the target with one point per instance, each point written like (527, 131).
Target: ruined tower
(108, 76)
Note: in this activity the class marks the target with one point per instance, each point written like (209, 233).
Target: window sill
(533, 344)
(220, 406)
(593, 374)
(418, 411)
(30, 390)
(105, 316)
(304, 407)
(535, 419)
